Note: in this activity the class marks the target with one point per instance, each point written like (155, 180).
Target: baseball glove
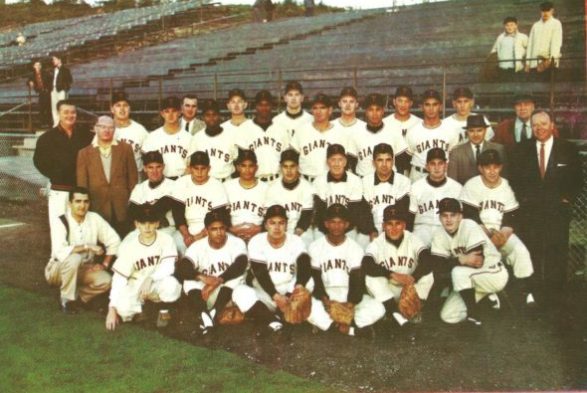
(342, 313)
(299, 306)
(230, 315)
(409, 302)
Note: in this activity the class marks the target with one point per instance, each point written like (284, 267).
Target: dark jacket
(64, 79)
(45, 79)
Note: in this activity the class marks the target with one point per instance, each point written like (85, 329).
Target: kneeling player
(474, 262)
(143, 271)
(396, 258)
(336, 270)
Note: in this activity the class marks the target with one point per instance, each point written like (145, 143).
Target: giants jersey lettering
(247, 205)
(291, 125)
(134, 134)
(421, 139)
(312, 145)
(491, 202)
(294, 201)
(468, 237)
(137, 260)
(401, 127)
(173, 147)
(363, 141)
(281, 262)
(424, 199)
(384, 194)
(458, 125)
(402, 259)
(199, 199)
(267, 145)
(214, 262)
(142, 194)
(221, 149)
(343, 192)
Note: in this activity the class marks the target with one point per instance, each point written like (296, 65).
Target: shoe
(163, 319)
(139, 317)
(474, 321)
(346, 329)
(275, 326)
(400, 319)
(494, 300)
(530, 302)
(69, 307)
(206, 322)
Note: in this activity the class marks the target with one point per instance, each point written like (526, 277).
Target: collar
(473, 146)
(344, 124)
(292, 185)
(155, 184)
(547, 144)
(377, 180)
(294, 116)
(213, 131)
(331, 179)
(264, 126)
(436, 184)
(375, 128)
(397, 242)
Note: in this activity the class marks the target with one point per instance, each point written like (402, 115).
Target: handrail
(13, 108)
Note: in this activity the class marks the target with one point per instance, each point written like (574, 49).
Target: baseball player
(375, 132)
(279, 260)
(213, 275)
(348, 104)
(473, 261)
(426, 193)
(126, 129)
(489, 200)
(143, 271)
(75, 239)
(247, 197)
(189, 109)
(195, 195)
(312, 139)
(336, 271)
(428, 134)
(383, 188)
(294, 116)
(463, 102)
(394, 259)
(170, 140)
(238, 124)
(296, 195)
(217, 142)
(264, 138)
(402, 119)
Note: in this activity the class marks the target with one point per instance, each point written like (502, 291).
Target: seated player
(396, 258)
(296, 195)
(279, 260)
(143, 272)
(75, 244)
(473, 261)
(336, 270)
(489, 200)
(213, 275)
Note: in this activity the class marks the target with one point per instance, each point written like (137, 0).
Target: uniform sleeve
(59, 242)
(295, 142)
(356, 191)
(413, 204)
(356, 286)
(220, 198)
(166, 266)
(107, 236)
(475, 238)
(440, 246)
(303, 269)
(371, 268)
(124, 263)
(117, 285)
(148, 144)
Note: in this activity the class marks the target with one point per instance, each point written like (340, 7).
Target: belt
(420, 169)
(309, 178)
(268, 178)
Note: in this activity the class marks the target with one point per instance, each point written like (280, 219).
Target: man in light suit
(546, 178)
(189, 109)
(107, 168)
(462, 161)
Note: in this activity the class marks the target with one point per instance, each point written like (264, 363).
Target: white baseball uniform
(491, 277)
(401, 127)
(135, 263)
(144, 194)
(379, 194)
(292, 123)
(457, 125)
(492, 204)
(221, 149)
(134, 134)
(173, 147)
(247, 205)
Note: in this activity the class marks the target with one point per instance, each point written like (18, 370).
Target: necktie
(523, 136)
(477, 152)
(187, 126)
(541, 163)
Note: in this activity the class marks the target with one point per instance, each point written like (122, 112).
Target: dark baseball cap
(152, 156)
(275, 211)
(404, 91)
(431, 93)
(236, 93)
(246, 155)
(462, 92)
(293, 85)
(334, 149)
(475, 121)
(382, 148)
(348, 91)
(451, 205)
(210, 105)
(392, 212)
(147, 213)
(488, 157)
(435, 153)
(337, 210)
(524, 97)
(509, 19)
(215, 216)
(375, 99)
(263, 95)
(172, 102)
(322, 98)
(290, 155)
(546, 6)
(200, 158)
(118, 96)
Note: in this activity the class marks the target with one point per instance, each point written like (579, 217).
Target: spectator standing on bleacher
(511, 49)
(40, 83)
(546, 39)
(61, 81)
(127, 130)
(189, 110)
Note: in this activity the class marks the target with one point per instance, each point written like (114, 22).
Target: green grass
(42, 350)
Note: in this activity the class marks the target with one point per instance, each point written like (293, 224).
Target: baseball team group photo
(397, 210)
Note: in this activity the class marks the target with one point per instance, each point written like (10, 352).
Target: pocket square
(561, 165)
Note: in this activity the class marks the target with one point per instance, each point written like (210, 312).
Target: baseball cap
(449, 205)
(152, 156)
(349, 91)
(275, 211)
(215, 216)
(392, 212)
(334, 149)
(509, 19)
(246, 155)
(200, 158)
(431, 93)
(146, 213)
(290, 155)
(488, 157)
(524, 97)
(118, 96)
(435, 153)
(293, 85)
(337, 210)
(474, 121)
(322, 98)
(374, 99)
(462, 92)
(404, 91)
(263, 95)
(236, 93)
(546, 6)
(171, 102)
(382, 148)
(210, 105)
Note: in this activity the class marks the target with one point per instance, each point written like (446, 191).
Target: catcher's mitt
(299, 306)
(230, 315)
(342, 313)
(409, 302)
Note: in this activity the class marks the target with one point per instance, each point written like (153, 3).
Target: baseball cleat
(474, 321)
(530, 300)
(275, 326)
(495, 302)
(400, 319)
(163, 319)
(206, 322)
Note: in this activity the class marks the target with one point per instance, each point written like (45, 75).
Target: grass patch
(45, 351)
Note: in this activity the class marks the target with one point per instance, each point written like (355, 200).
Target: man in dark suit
(462, 161)
(39, 82)
(546, 178)
(60, 83)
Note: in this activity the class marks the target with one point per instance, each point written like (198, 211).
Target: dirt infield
(514, 350)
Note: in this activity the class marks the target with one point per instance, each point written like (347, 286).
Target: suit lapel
(552, 159)
(115, 165)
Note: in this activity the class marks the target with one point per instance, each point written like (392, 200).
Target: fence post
(355, 84)
(160, 93)
(30, 110)
(551, 92)
(279, 83)
(443, 91)
(215, 85)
